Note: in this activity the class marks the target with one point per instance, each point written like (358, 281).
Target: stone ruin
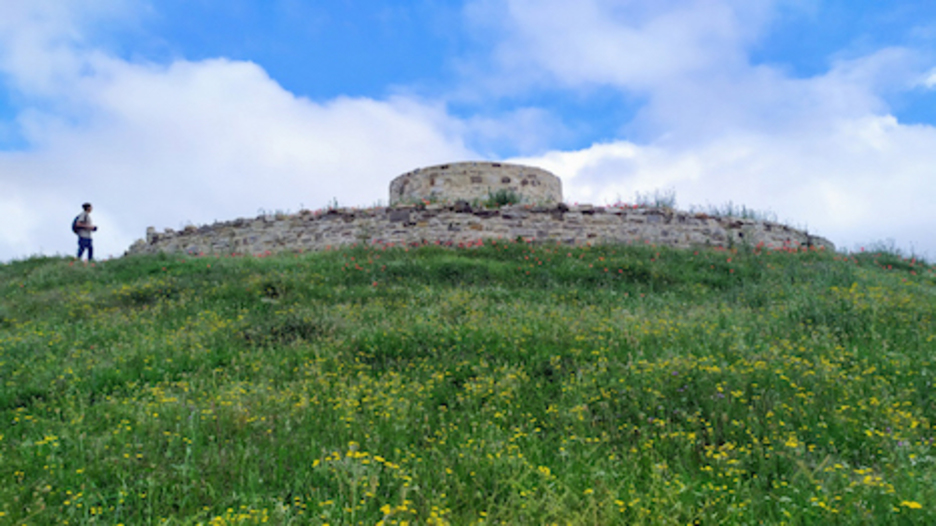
(450, 204)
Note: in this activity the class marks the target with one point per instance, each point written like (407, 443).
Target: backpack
(75, 224)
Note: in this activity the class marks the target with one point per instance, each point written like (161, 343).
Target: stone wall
(475, 181)
(459, 223)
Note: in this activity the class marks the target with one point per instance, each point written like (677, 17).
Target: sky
(168, 113)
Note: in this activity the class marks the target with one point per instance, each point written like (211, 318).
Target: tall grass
(496, 383)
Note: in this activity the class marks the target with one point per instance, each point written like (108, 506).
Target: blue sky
(167, 113)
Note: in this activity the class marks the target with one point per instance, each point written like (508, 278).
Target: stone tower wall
(475, 182)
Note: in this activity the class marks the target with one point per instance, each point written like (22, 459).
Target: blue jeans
(85, 243)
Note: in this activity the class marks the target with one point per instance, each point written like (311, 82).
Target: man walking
(84, 227)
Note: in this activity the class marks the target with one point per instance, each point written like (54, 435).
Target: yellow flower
(912, 504)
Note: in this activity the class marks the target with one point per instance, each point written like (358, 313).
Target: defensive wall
(451, 204)
(460, 223)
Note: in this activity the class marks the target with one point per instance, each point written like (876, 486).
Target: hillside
(501, 383)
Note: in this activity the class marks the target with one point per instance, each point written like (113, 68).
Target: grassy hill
(493, 384)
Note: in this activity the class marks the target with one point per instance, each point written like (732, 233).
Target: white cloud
(866, 179)
(688, 59)
(640, 45)
(43, 43)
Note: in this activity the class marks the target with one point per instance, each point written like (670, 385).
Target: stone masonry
(442, 204)
(475, 182)
(460, 223)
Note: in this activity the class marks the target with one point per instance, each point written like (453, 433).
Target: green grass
(497, 384)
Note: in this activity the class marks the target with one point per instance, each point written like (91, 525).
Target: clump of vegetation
(486, 383)
(502, 197)
(656, 199)
(730, 209)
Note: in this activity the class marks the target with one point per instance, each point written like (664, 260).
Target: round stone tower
(475, 181)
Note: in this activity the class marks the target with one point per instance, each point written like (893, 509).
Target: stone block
(399, 215)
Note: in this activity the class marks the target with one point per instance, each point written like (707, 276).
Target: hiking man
(84, 227)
